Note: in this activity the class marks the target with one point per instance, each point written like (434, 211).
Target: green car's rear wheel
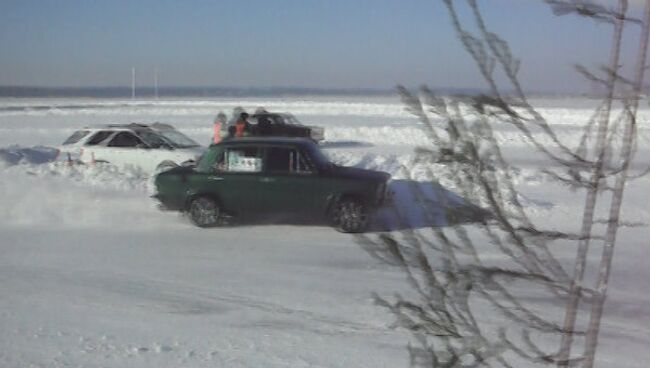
(350, 216)
(204, 212)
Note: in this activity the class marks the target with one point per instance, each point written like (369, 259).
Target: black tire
(350, 215)
(204, 212)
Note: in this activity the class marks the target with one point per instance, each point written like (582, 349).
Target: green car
(272, 179)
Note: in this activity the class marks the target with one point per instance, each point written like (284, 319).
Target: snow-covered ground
(92, 274)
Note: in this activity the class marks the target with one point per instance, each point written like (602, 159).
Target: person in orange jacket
(219, 124)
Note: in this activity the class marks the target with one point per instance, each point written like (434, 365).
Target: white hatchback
(150, 148)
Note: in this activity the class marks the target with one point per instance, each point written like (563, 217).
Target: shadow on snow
(414, 205)
(418, 205)
(344, 144)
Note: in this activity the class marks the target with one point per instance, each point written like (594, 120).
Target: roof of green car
(266, 140)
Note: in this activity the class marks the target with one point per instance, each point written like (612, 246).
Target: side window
(99, 137)
(76, 136)
(239, 159)
(124, 139)
(286, 160)
(304, 166)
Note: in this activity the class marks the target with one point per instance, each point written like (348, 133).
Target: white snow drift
(92, 274)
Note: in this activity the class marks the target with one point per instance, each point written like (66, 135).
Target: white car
(151, 148)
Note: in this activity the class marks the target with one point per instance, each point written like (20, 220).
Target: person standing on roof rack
(242, 126)
(230, 128)
(219, 122)
(236, 112)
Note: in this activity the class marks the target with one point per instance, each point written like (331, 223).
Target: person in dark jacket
(263, 125)
(242, 126)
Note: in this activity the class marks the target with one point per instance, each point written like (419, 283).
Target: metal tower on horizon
(133, 83)
(155, 83)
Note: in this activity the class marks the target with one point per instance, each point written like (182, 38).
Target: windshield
(178, 139)
(154, 140)
(76, 136)
(290, 119)
(207, 161)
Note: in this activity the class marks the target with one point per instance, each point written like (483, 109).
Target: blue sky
(306, 43)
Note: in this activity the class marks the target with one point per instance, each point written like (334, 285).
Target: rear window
(153, 139)
(99, 137)
(76, 136)
(286, 160)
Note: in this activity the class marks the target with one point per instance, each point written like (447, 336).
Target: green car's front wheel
(204, 212)
(350, 216)
(164, 166)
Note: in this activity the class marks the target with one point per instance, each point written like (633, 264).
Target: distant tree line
(149, 92)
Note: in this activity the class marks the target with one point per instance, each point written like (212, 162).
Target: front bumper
(165, 203)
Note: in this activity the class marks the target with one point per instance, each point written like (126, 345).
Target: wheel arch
(192, 196)
(166, 165)
(335, 198)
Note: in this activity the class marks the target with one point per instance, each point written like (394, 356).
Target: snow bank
(20, 155)
(80, 190)
(94, 275)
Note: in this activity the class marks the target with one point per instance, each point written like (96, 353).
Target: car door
(234, 178)
(291, 184)
(128, 150)
(94, 148)
(159, 150)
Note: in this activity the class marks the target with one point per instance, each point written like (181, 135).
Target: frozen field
(93, 275)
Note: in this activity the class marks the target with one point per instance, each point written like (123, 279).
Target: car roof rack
(156, 125)
(131, 125)
(161, 126)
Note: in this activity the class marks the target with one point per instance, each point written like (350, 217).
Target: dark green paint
(270, 193)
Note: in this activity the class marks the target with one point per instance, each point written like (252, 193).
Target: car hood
(356, 173)
(178, 170)
(196, 151)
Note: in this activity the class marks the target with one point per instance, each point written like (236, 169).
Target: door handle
(267, 180)
(215, 178)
